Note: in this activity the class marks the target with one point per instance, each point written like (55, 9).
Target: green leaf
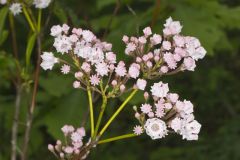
(3, 15)
(30, 45)
(4, 37)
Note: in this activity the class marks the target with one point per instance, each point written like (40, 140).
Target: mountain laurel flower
(141, 84)
(189, 64)
(15, 8)
(134, 70)
(121, 69)
(102, 69)
(94, 80)
(138, 130)
(156, 128)
(147, 31)
(48, 60)
(172, 27)
(41, 3)
(160, 89)
(146, 108)
(65, 69)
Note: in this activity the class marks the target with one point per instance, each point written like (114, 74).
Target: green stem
(39, 20)
(103, 107)
(117, 138)
(30, 22)
(91, 110)
(118, 111)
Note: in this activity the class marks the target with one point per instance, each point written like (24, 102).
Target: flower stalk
(125, 136)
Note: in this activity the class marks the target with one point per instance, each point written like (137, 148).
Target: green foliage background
(214, 87)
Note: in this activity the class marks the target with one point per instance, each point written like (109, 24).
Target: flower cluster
(167, 113)
(164, 54)
(95, 68)
(16, 7)
(73, 145)
(94, 61)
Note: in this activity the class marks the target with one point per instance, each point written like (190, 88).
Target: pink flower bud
(111, 67)
(78, 75)
(149, 64)
(137, 115)
(125, 39)
(61, 155)
(147, 31)
(146, 95)
(122, 88)
(138, 60)
(151, 114)
(50, 148)
(164, 69)
(150, 55)
(145, 58)
(156, 58)
(76, 84)
(114, 82)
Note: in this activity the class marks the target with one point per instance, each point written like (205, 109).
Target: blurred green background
(214, 88)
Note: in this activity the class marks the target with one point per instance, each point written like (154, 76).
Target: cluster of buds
(164, 113)
(165, 54)
(73, 145)
(16, 7)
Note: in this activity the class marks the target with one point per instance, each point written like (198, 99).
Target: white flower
(3, 1)
(190, 130)
(155, 128)
(41, 3)
(62, 44)
(176, 124)
(185, 107)
(48, 60)
(88, 35)
(160, 89)
(141, 84)
(172, 27)
(15, 8)
(56, 31)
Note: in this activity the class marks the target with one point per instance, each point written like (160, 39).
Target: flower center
(155, 127)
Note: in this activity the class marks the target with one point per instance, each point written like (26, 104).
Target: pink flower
(65, 69)
(147, 31)
(164, 69)
(189, 64)
(121, 69)
(81, 131)
(156, 39)
(169, 59)
(173, 97)
(138, 130)
(111, 57)
(142, 40)
(68, 150)
(76, 84)
(146, 108)
(172, 27)
(86, 67)
(125, 39)
(50, 148)
(67, 129)
(179, 41)
(130, 48)
(160, 112)
(141, 84)
(88, 35)
(78, 75)
(134, 70)
(166, 45)
(56, 31)
(102, 69)
(76, 137)
(95, 80)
